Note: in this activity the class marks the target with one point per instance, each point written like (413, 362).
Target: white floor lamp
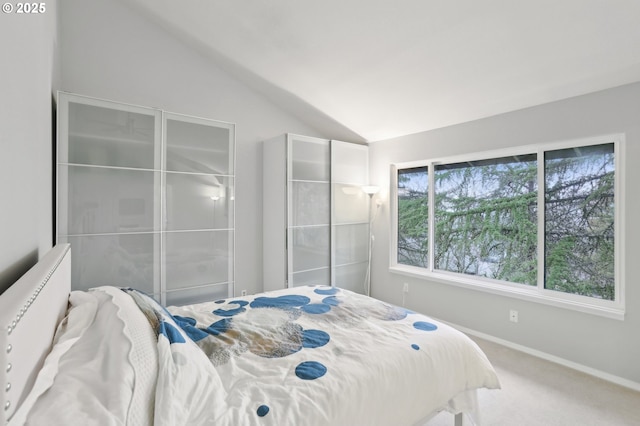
(370, 190)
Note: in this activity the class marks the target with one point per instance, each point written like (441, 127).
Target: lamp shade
(370, 189)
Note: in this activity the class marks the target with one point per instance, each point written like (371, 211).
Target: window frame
(614, 309)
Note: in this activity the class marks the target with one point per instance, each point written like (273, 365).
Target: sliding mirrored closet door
(146, 199)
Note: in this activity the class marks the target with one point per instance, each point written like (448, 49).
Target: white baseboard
(548, 357)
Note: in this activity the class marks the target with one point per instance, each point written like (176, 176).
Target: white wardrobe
(315, 213)
(146, 199)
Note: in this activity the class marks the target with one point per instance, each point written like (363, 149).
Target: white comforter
(306, 356)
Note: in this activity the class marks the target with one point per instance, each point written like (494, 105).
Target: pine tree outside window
(413, 213)
(580, 221)
(539, 223)
(486, 218)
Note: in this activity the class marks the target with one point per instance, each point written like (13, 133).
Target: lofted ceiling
(379, 69)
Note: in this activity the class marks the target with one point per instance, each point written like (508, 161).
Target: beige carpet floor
(536, 392)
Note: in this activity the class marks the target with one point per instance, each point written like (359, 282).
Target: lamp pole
(370, 190)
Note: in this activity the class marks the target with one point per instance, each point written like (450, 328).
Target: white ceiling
(386, 68)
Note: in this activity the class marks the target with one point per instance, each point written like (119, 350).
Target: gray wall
(110, 51)
(29, 75)
(607, 345)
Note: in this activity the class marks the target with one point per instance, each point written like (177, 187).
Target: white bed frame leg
(457, 420)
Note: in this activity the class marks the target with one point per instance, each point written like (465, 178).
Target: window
(413, 213)
(486, 219)
(579, 221)
(536, 223)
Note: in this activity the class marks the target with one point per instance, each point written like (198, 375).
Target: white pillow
(101, 369)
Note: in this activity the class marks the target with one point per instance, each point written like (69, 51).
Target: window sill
(517, 291)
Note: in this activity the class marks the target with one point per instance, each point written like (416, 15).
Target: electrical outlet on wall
(513, 315)
(243, 292)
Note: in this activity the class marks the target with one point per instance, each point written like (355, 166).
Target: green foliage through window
(413, 217)
(486, 219)
(579, 221)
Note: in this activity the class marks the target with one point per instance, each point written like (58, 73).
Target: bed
(304, 356)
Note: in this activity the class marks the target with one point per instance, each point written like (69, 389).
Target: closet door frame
(159, 170)
(358, 194)
(229, 199)
(63, 138)
(291, 178)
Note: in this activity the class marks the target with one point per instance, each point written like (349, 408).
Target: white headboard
(30, 311)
